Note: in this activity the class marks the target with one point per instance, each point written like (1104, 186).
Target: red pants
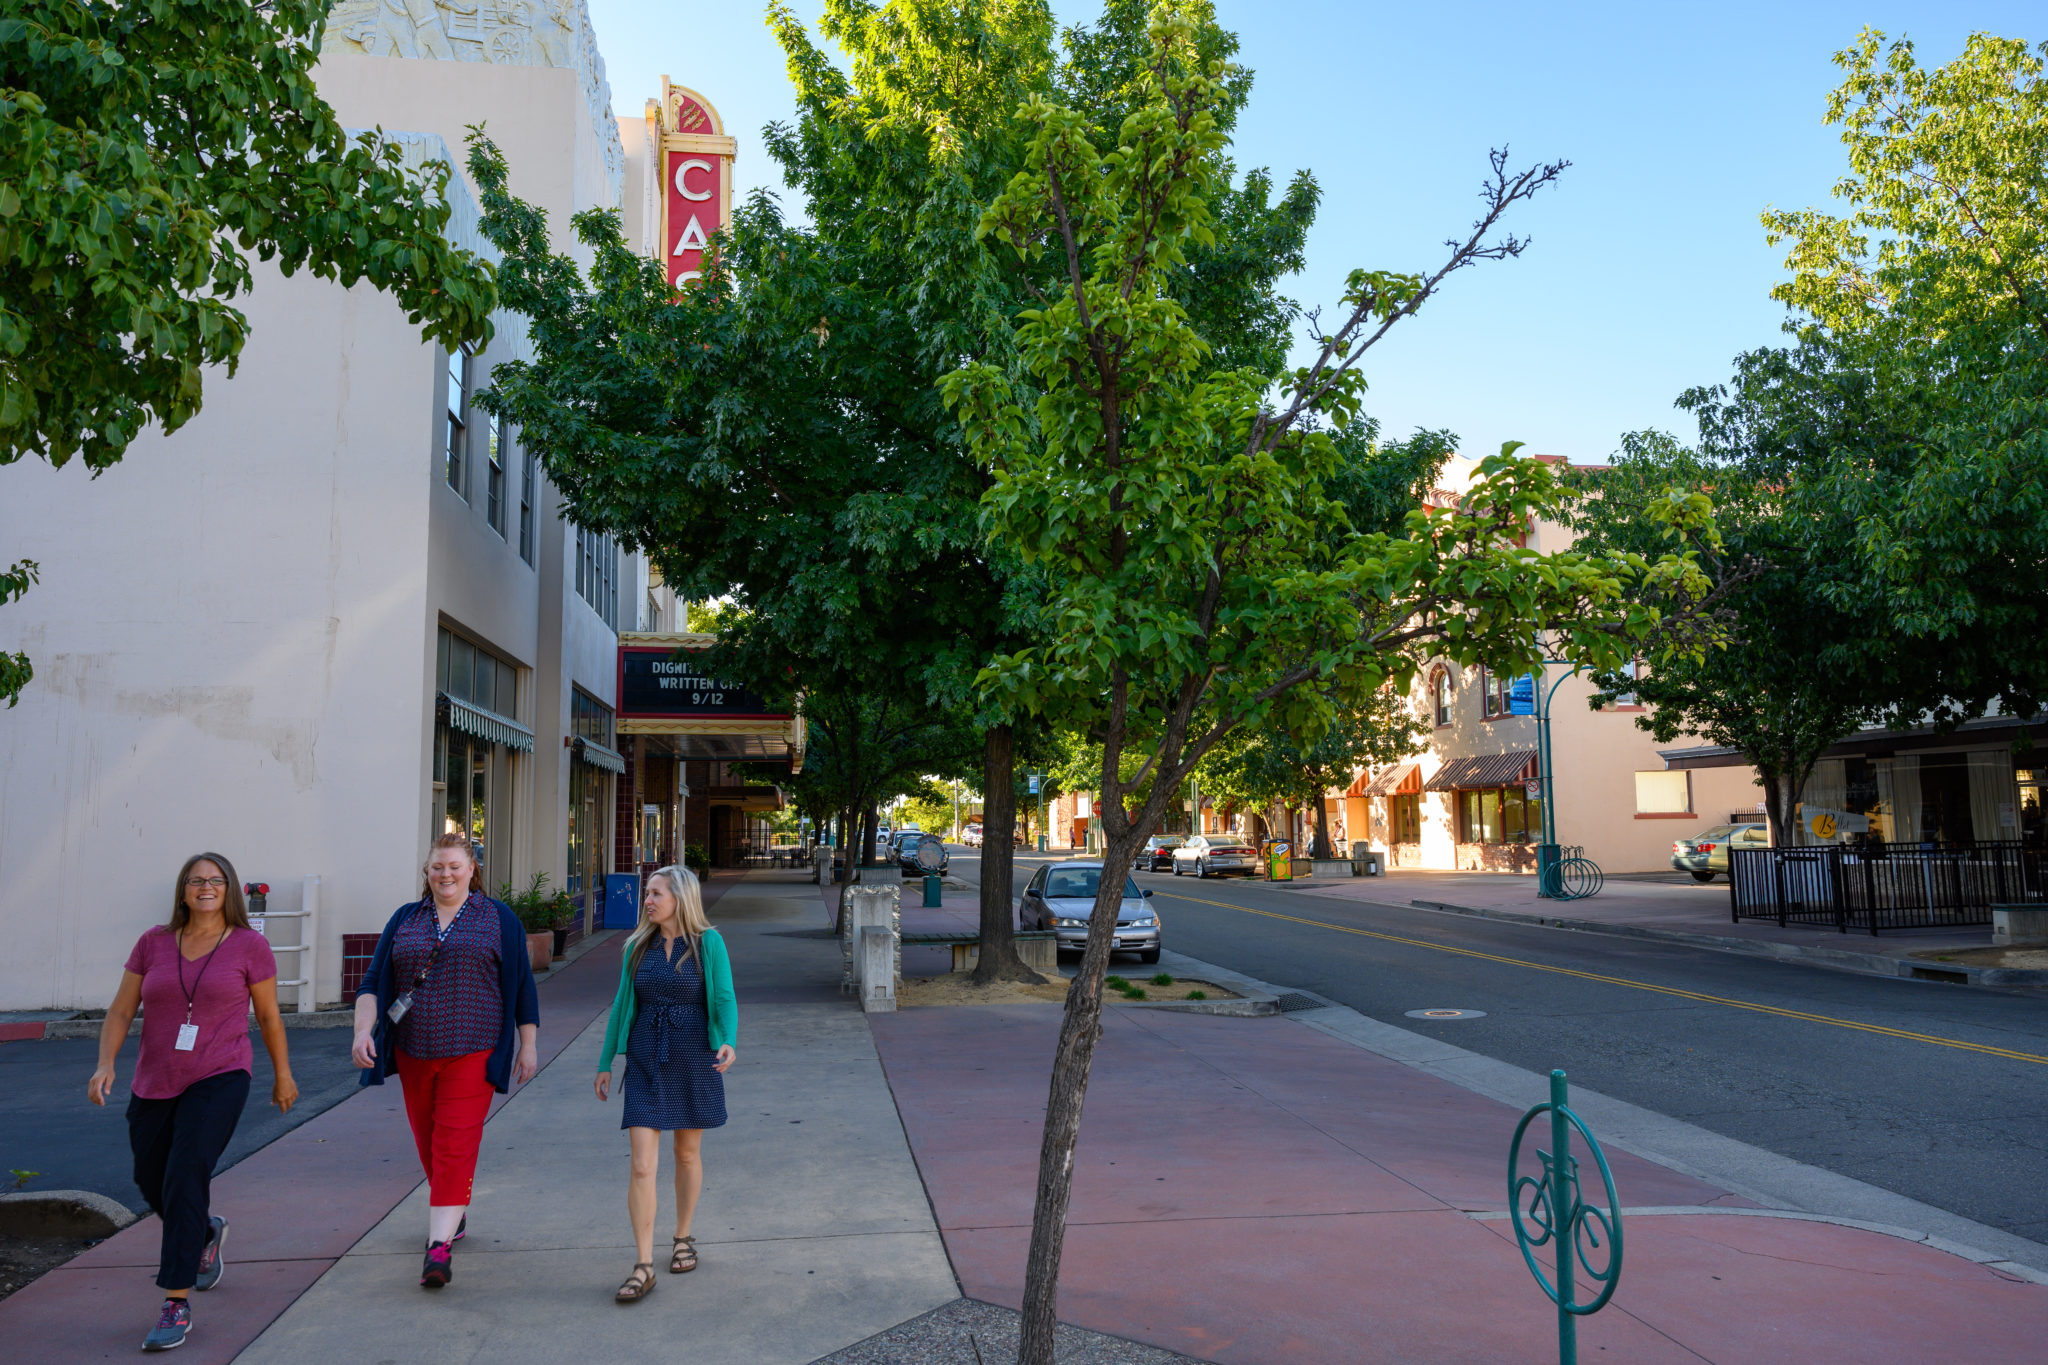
(447, 1099)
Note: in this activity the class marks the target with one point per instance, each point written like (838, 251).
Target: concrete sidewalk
(813, 1229)
(1253, 1190)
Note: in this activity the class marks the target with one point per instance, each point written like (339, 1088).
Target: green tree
(1177, 514)
(1934, 287)
(1260, 768)
(777, 435)
(146, 149)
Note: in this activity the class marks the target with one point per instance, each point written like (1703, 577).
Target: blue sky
(1648, 271)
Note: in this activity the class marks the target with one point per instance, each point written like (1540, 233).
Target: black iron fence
(1884, 886)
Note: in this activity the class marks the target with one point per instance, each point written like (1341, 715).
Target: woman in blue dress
(675, 1019)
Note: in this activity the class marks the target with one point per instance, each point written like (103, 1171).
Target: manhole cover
(1446, 1014)
(1292, 1002)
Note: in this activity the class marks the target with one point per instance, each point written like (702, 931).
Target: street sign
(1034, 784)
(1522, 695)
(931, 853)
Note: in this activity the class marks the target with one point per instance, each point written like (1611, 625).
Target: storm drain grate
(1294, 1001)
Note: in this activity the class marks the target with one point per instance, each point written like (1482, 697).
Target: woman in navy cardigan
(447, 993)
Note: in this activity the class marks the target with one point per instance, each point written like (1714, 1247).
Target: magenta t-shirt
(219, 988)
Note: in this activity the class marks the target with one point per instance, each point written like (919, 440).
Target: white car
(1215, 854)
(1061, 897)
(971, 836)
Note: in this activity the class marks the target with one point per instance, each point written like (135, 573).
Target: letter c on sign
(682, 186)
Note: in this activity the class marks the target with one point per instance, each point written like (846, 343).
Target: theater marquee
(696, 180)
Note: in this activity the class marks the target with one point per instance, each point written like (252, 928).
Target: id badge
(399, 1007)
(188, 1037)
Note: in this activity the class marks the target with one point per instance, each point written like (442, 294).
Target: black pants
(176, 1143)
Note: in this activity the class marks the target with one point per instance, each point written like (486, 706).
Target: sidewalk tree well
(1178, 514)
(776, 435)
(146, 149)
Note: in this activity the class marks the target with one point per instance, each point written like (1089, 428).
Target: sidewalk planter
(2019, 926)
(1333, 867)
(540, 949)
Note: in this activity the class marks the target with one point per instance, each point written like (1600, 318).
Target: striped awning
(1484, 770)
(598, 756)
(1399, 780)
(485, 725)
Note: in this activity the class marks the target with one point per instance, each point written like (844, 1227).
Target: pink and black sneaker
(439, 1267)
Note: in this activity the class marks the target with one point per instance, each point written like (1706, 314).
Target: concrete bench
(1038, 947)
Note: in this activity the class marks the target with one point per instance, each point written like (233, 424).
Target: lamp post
(1549, 883)
(1037, 781)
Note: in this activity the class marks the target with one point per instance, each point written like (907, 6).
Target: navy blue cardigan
(515, 985)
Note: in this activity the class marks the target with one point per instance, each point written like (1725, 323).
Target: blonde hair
(682, 889)
(451, 839)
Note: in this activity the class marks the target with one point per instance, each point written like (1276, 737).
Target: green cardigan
(723, 1008)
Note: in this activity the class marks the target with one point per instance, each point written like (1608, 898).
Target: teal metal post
(933, 888)
(1547, 859)
(1564, 1195)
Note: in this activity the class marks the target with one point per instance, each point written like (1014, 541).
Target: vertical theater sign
(696, 180)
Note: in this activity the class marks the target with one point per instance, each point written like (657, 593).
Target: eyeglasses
(201, 883)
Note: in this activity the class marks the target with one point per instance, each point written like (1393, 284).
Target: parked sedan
(1204, 854)
(1158, 854)
(971, 836)
(1706, 853)
(1061, 897)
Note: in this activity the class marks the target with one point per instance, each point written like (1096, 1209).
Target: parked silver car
(1061, 897)
(1204, 854)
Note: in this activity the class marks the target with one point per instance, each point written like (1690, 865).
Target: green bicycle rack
(1559, 1216)
(1565, 873)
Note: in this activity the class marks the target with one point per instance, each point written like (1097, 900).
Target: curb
(1786, 1187)
(1842, 959)
(1255, 998)
(62, 1213)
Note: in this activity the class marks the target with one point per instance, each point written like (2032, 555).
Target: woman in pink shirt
(195, 979)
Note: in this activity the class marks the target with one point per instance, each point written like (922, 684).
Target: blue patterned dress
(669, 1082)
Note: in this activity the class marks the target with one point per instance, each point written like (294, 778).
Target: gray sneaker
(211, 1262)
(171, 1326)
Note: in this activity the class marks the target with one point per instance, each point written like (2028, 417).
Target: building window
(597, 574)
(494, 474)
(1499, 815)
(473, 777)
(1663, 793)
(1404, 819)
(1440, 697)
(1633, 671)
(1493, 694)
(529, 495)
(589, 718)
(590, 802)
(455, 436)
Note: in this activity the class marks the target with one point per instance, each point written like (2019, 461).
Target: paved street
(1933, 1119)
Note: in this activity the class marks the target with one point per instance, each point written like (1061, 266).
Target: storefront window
(2033, 820)
(473, 777)
(1499, 815)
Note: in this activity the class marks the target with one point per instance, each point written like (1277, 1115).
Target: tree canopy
(147, 148)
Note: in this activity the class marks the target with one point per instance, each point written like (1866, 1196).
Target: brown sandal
(683, 1257)
(638, 1285)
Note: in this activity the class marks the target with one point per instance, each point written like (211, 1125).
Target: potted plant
(565, 912)
(536, 909)
(697, 859)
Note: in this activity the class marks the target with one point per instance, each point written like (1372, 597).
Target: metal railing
(1875, 887)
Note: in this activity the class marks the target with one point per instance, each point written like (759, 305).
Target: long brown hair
(232, 905)
(452, 839)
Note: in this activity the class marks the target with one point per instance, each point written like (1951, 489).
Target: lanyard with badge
(188, 1032)
(402, 1006)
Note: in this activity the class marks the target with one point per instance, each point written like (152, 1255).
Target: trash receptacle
(1548, 880)
(1365, 862)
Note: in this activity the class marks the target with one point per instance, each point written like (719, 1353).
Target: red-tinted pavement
(1251, 1190)
(294, 1209)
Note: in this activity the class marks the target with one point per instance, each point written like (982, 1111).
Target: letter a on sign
(692, 238)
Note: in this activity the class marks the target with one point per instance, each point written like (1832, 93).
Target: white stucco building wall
(236, 631)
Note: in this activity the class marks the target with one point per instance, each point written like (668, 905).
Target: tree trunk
(1080, 1028)
(999, 960)
(864, 846)
(1321, 847)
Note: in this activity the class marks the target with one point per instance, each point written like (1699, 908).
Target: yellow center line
(1907, 1034)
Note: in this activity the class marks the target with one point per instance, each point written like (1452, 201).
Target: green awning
(486, 725)
(598, 756)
